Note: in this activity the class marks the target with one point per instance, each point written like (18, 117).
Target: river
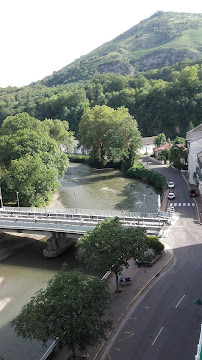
(23, 270)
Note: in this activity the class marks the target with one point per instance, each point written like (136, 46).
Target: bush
(151, 177)
(149, 255)
(155, 244)
(79, 158)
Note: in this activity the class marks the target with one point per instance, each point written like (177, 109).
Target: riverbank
(56, 201)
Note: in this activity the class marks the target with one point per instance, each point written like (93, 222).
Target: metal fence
(89, 212)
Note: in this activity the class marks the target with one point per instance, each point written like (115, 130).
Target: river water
(23, 270)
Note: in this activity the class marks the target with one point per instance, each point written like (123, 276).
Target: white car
(171, 185)
(171, 196)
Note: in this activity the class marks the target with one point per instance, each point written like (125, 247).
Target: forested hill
(161, 40)
(162, 99)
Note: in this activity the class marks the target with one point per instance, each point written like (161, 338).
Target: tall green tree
(31, 178)
(123, 142)
(109, 246)
(24, 139)
(160, 139)
(109, 133)
(70, 309)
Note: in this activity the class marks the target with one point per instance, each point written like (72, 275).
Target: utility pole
(17, 193)
(1, 198)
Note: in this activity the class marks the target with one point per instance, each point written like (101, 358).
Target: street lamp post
(144, 205)
(1, 199)
(17, 193)
(75, 198)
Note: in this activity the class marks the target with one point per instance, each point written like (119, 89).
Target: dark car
(192, 193)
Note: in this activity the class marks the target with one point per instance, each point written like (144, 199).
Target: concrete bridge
(63, 226)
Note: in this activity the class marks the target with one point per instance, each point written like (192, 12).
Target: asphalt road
(166, 322)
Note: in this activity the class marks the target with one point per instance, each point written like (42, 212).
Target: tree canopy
(70, 310)
(109, 246)
(160, 139)
(30, 158)
(109, 135)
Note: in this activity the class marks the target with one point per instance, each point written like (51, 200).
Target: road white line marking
(175, 204)
(188, 204)
(179, 204)
(184, 204)
(179, 301)
(157, 336)
(193, 204)
(4, 302)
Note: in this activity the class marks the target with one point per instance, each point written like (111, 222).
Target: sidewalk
(141, 278)
(197, 199)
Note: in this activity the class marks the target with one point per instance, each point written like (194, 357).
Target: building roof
(194, 134)
(163, 147)
(148, 140)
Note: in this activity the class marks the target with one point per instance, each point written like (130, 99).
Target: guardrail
(78, 211)
(49, 351)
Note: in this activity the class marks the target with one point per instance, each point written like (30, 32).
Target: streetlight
(75, 198)
(1, 199)
(17, 193)
(144, 205)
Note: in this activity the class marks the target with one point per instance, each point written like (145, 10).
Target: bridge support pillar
(57, 244)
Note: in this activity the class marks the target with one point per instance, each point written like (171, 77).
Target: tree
(191, 126)
(58, 130)
(70, 309)
(37, 142)
(32, 179)
(123, 141)
(178, 156)
(179, 140)
(109, 246)
(160, 139)
(97, 126)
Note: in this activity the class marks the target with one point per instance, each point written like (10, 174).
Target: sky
(42, 36)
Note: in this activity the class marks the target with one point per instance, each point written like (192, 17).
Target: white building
(78, 151)
(147, 145)
(194, 145)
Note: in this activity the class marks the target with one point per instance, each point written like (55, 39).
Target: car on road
(171, 185)
(171, 196)
(192, 193)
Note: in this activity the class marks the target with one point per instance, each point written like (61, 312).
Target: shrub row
(139, 171)
(79, 158)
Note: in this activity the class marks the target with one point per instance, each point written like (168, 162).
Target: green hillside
(161, 40)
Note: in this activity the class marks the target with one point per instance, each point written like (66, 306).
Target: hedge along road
(23, 270)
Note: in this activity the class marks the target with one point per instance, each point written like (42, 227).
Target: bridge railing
(88, 212)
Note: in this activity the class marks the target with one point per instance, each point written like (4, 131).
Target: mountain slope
(161, 40)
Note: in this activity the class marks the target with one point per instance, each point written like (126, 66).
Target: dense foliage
(169, 106)
(109, 246)
(155, 244)
(70, 309)
(109, 135)
(30, 158)
(139, 171)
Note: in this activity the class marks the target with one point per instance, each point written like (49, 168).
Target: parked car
(171, 196)
(171, 185)
(193, 193)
